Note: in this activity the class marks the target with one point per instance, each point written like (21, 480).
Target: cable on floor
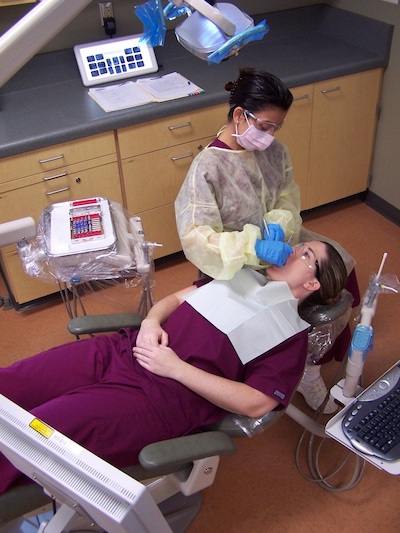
(313, 454)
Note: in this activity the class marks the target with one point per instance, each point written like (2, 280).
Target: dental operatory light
(211, 32)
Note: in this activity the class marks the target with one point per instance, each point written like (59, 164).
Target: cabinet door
(342, 136)
(23, 287)
(171, 131)
(159, 226)
(152, 182)
(154, 179)
(296, 134)
(31, 200)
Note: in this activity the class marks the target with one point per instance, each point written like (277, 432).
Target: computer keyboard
(372, 422)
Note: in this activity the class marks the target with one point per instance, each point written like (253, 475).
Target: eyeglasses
(264, 125)
(308, 257)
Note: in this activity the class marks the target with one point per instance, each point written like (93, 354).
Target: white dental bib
(256, 314)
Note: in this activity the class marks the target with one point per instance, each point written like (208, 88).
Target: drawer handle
(325, 91)
(184, 125)
(55, 176)
(57, 191)
(41, 161)
(177, 157)
(304, 97)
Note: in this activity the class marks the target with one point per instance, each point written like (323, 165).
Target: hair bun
(231, 86)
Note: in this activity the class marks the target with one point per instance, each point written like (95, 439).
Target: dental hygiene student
(243, 178)
(239, 205)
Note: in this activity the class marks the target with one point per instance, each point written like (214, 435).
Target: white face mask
(253, 138)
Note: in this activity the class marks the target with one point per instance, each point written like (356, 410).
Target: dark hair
(257, 89)
(332, 275)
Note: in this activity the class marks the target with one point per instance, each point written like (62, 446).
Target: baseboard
(332, 205)
(374, 201)
(383, 207)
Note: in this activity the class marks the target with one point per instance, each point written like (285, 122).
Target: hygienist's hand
(275, 231)
(273, 252)
(159, 360)
(151, 332)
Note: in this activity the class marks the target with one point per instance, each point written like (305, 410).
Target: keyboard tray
(372, 422)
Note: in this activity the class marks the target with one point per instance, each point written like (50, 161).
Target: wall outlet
(106, 11)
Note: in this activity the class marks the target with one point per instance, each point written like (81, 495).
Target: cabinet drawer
(158, 134)
(30, 201)
(152, 180)
(56, 156)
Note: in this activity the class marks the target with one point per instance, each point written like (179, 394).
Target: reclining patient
(114, 394)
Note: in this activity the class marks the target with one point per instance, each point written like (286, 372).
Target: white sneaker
(315, 393)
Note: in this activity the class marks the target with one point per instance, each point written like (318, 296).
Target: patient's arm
(150, 330)
(230, 395)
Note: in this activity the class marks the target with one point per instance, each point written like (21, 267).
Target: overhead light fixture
(210, 32)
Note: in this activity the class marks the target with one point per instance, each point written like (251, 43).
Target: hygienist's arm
(151, 330)
(232, 396)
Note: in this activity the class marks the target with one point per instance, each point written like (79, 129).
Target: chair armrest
(87, 324)
(237, 426)
(183, 450)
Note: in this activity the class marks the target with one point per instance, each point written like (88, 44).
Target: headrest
(316, 314)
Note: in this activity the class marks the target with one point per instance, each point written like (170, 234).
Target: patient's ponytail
(332, 276)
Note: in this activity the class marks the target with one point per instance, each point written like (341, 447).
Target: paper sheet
(121, 96)
(255, 314)
(143, 91)
(169, 87)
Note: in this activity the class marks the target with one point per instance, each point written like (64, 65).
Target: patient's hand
(152, 333)
(159, 360)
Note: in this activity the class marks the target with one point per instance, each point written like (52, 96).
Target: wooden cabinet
(31, 181)
(342, 136)
(296, 134)
(155, 160)
(330, 132)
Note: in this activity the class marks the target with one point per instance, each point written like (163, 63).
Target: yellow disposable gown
(223, 200)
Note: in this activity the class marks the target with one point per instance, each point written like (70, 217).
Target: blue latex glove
(275, 231)
(273, 252)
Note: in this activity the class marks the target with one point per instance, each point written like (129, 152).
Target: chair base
(179, 511)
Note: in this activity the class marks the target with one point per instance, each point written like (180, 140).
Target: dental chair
(175, 471)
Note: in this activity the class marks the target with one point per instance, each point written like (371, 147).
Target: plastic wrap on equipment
(85, 240)
(328, 322)
(151, 15)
